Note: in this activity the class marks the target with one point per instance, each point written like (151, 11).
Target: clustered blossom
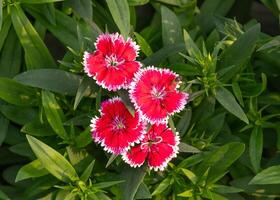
(143, 137)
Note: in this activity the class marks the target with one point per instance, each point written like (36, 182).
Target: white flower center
(118, 123)
(113, 60)
(150, 142)
(158, 93)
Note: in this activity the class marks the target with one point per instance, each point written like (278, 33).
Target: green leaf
(1, 14)
(82, 7)
(144, 45)
(53, 113)
(31, 170)
(219, 161)
(190, 175)
(10, 59)
(159, 56)
(191, 47)
(106, 184)
(162, 186)
(36, 128)
(183, 124)
(237, 92)
(16, 93)
(86, 174)
(256, 148)
(227, 100)
(22, 149)
(5, 30)
(187, 193)
(171, 31)
(84, 138)
(133, 178)
(53, 161)
(210, 9)
(19, 115)
(120, 12)
(143, 192)
(186, 148)
(3, 195)
(137, 2)
(4, 124)
(38, 1)
(240, 51)
(111, 160)
(86, 87)
(223, 189)
(36, 53)
(270, 175)
(54, 80)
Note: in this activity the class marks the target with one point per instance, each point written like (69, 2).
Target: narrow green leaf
(133, 178)
(86, 174)
(233, 56)
(143, 192)
(187, 193)
(54, 80)
(191, 47)
(256, 148)
(31, 170)
(53, 113)
(53, 161)
(162, 186)
(84, 138)
(227, 100)
(186, 148)
(4, 124)
(86, 87)
(38, 1)
(270, 175)
(3, 196)
(137, 2)
(36, 128)
(144, 45)
(237, 92)
(120, 12)
(171, 31)
(107, 184)
(19, 115)
(10, 59)
(82, 7)
(1, 14)
(111, 160)
(36, 53)
(219, 161)
(16, 93)
(184, 122)
(190, 175)
(210, 9)
(5, 30)
(223, 189)
(159, 56)
(22, 149)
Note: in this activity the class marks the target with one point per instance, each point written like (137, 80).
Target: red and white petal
(175, 102)
(136, 156)
(93, 63)
(105, 44)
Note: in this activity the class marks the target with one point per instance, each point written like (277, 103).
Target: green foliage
(229, 130)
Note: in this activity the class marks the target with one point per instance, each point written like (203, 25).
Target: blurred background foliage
(227, 53)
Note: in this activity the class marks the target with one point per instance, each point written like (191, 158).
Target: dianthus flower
(113, 63)
(155, 96)
(116, 129)
(158, 147)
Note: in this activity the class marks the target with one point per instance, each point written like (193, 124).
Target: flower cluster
(144, 136)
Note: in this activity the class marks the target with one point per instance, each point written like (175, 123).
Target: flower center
(158, 93)
(112, 60)
(118, 123)
(151, 141)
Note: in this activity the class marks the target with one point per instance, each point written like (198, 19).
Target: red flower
(155, 96)
(116, 129)
(158, 147)
(113, 63)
